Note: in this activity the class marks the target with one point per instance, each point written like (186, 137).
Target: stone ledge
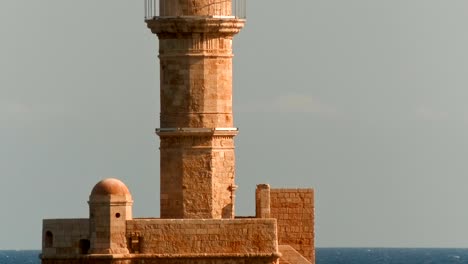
(196, 131)
(163, 256)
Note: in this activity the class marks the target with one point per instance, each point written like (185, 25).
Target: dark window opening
(134, 243)
(49, 239)
(84, 246)
(117, 215)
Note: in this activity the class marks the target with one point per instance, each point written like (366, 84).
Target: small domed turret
(110, 205)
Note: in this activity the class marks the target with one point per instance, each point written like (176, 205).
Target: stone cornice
(167, 26)
(181, 132)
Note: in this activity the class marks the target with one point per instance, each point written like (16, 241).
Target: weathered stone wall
(196, 81)
(223, 163)
(61, 237)
(207, 236)
(197, 175)
(294, 211)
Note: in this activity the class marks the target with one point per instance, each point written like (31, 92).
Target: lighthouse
(196, 120)
(197, 223)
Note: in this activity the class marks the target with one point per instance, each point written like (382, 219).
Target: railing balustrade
(165, 8)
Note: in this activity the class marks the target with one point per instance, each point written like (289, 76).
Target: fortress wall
(205, 236)
(62, 236)
(294, 211)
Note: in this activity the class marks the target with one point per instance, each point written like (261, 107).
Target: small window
(84, 246)
(117, 215)
(49, 239)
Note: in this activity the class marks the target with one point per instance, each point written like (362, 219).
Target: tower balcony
(155, 9)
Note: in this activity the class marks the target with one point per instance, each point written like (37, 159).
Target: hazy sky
(365, 101)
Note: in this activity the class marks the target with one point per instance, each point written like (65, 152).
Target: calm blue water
(21, 256)
(391, 256)
(323, 256)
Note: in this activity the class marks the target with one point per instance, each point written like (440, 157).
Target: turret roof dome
(110, 186)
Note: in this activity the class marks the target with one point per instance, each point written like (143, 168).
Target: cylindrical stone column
(262, 201)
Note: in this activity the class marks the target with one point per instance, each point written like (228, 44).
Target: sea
(323, 256)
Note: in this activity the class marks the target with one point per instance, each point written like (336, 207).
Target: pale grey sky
(363, 100)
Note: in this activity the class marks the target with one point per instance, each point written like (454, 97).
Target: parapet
(65, 237)
(192, 237)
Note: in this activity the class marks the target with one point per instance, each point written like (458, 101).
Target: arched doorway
(49, 239)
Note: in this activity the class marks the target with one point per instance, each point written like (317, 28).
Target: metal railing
(151, 9)
(239, 9)
(160, 8)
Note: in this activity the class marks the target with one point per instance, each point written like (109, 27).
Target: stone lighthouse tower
(196, 127)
